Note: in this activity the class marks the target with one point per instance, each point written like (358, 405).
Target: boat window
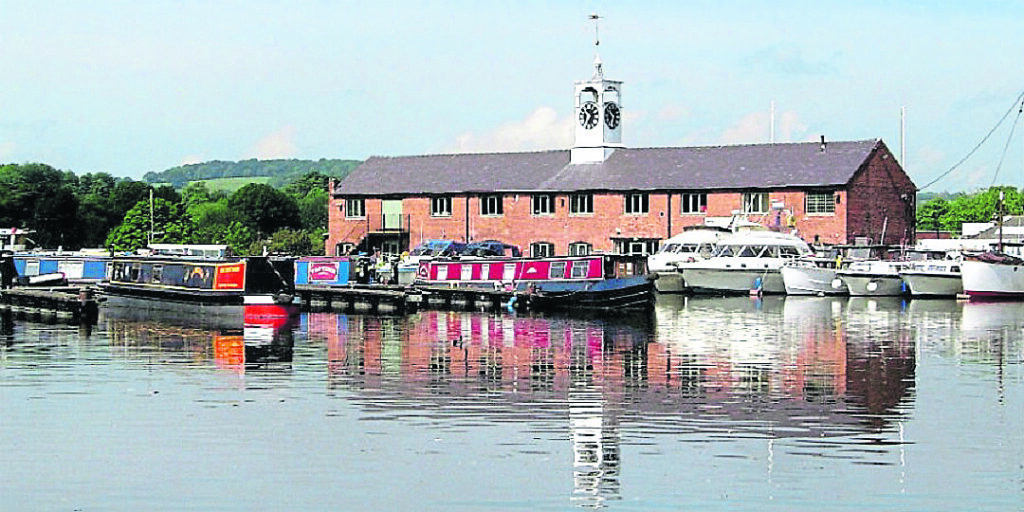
(158, 273)
(557, 270)
(749, 252)
(579, 269)
(955, 268)
(133, 273)
(725, 250)
(442, 272)
(467, 272)
(670, 248)
(788, 251)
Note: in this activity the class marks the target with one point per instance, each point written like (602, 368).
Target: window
(355, 208)
(440, 207)
(693, 203)
(642, 246)
(542, 204)
(344, 248)
(542, 249)
(820, 203)
(636, 204)
(580, 249)
(580, 269)
(491, 205)
(557, 270)
(581, 204)
(755, 202)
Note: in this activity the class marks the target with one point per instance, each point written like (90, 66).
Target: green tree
(265, 209)
(981, 207)
(285, 241)
(167, 222)
(930, 214)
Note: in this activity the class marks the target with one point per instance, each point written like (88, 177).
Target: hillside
(279, 172)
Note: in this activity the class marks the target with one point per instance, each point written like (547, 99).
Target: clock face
(611, 115)
(589, 115)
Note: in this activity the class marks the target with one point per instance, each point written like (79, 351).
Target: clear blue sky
(128, 87)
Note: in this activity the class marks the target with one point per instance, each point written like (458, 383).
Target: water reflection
(186, 339)
(763, 398)
(814, 369)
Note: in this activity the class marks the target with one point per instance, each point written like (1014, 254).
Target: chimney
(823, 144)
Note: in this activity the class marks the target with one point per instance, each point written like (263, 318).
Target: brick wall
(880, 196)
(882, 200)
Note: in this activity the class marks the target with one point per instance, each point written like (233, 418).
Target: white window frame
(542, 249)
(820, 203)
(441, 206)
(756, 202)
(693, 203)
(636, 204)
(492, 205)
(581, 204)
(580, 249)
(355, 208)
(542, 204)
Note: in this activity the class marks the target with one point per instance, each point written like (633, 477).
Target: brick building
(601, 196)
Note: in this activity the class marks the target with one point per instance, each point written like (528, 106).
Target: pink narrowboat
(593, 282)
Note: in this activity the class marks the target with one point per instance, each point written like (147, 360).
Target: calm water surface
(721, 404)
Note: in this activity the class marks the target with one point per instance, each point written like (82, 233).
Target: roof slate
(713, 167)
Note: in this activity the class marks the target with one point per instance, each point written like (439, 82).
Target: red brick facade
(878, 199)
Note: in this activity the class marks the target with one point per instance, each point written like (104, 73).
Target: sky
(129, 87)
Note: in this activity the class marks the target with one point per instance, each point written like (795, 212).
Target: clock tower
(598, 114)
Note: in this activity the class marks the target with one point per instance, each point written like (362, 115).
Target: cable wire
(1020, 97)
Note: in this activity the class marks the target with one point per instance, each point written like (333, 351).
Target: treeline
(281, 172)
(948, 212)
(98, 210)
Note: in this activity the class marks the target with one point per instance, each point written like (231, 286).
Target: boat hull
(922, 284)
(612, 295)
(733, 281)
(670, 282)
(873, 285)
(992, 280)
(807, 280)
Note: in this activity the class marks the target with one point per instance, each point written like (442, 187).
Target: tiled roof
(718, 167)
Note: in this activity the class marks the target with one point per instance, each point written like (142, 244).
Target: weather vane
(597, 39)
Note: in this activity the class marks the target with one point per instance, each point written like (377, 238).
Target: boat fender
(511, 306)
(756, 290)
(837, 283)
(872, 285)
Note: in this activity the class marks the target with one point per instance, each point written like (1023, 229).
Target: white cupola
(598, 114)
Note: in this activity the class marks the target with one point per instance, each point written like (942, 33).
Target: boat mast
(999, 219)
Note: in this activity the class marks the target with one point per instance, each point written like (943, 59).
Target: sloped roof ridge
(755, 144)
(485, 153)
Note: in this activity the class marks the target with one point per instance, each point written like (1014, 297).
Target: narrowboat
(80, 267)
(323, 271)
(252, 288)
(596, 282)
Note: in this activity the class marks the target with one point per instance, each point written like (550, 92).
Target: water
(708, 404)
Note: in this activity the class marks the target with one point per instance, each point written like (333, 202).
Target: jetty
(67, 303)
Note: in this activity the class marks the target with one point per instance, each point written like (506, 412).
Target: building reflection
(769, 367)
(176, 339)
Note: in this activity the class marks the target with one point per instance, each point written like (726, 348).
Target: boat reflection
(810, 368)
(181, 339)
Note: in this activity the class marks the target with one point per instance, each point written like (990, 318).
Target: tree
(167, 222)
(265, 209)
(286, 241)
(930, 214)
